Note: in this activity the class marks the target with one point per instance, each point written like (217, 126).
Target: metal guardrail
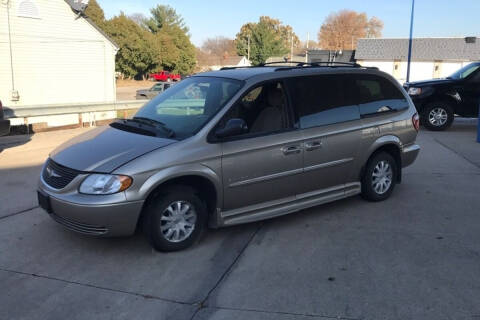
(50, 110)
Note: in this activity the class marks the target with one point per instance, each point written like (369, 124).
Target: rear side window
(376, 95)
(321, 100)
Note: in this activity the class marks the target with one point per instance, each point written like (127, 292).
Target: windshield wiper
(156, 123)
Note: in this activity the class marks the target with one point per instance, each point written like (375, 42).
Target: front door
(261, 167)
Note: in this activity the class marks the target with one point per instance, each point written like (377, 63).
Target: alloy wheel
(382, 177)
(438, 116)
(178, 221)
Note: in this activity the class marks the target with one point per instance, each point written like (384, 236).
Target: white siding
(385, 66)
(419, 70)
(56, 57)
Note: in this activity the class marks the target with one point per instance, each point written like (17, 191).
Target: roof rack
(313, 64)
(300, 65)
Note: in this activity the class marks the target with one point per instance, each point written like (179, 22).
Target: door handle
(310, 146)
(291, 150)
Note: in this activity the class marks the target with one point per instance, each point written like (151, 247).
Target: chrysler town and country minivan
(234, 146)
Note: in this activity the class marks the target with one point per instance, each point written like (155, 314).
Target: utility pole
(306, 52)
(291, 47)
(410, 42)
(248, 50)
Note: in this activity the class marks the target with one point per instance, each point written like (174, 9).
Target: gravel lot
(414, 256)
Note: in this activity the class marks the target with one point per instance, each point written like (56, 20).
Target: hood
(432, 82)
(142, 91)
(105, 149)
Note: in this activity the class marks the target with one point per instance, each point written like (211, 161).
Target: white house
(226, 62)
(49, 54)
(431, 57)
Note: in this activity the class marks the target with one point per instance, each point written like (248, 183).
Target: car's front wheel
(437, 116)
(379, 178)
(174, 219)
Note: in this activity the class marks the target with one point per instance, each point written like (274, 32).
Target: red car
(164, 76)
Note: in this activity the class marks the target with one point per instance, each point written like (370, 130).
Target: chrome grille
(57, 176)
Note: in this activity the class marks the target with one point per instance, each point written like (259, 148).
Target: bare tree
(139, 18)
(219, 46)
(374, 28)
(342, 29)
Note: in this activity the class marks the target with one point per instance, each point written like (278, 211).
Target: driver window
(263, 109)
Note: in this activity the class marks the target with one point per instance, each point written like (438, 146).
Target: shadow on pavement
(13, 141)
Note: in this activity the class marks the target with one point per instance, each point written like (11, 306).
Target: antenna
(79, 6)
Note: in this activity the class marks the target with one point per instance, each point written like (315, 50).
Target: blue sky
(209, 18)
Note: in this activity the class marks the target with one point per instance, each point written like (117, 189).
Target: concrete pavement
(414, 256)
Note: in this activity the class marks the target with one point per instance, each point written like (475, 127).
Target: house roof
(327, 55)
(426, 49)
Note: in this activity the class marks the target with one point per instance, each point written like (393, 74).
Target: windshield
(465, 71)
(186, 107)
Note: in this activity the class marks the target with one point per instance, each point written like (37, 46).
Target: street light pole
(410, 42)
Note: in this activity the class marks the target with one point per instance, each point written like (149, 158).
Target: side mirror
(232, 128)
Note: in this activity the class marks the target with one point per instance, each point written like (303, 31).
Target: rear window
(376, 94)
(321, 100)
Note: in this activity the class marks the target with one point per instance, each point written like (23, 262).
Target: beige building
(431, 57)
(49, 54)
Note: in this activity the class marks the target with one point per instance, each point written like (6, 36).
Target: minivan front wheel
(175, 219)
(437, 116)
(379, 178)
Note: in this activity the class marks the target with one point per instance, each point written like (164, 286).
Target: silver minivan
(234, 146)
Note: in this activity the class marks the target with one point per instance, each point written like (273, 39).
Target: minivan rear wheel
(174, 219)
(379, 178)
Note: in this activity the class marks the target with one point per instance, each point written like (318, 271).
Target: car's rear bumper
(4, 127)
(409, 154)
(108, 220)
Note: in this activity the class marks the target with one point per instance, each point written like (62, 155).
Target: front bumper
(4, 127)
(108, 220)
(409, 154)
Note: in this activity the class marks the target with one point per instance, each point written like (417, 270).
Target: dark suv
(437, 101)
(4, 124)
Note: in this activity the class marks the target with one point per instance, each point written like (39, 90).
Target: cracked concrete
(414, 256)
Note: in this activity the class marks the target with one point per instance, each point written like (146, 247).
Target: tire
(372, 191)
(162, 210)
(437, 116)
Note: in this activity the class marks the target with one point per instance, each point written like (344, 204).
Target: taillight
(416, 121)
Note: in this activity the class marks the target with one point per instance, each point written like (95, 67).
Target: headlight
(105, 184)
(414, 91)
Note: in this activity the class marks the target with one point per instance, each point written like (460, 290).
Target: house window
(28, 9)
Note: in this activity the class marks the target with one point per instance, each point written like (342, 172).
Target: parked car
(153, 91)
(437, 101)
(262, 142)
(165, 76)
(4, 123)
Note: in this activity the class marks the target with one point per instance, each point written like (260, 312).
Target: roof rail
(299, 65)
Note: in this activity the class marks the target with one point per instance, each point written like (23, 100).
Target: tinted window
(322, 100)
(465, 71)
(376, 94)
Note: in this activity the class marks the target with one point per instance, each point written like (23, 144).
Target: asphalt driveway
(414, 256)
